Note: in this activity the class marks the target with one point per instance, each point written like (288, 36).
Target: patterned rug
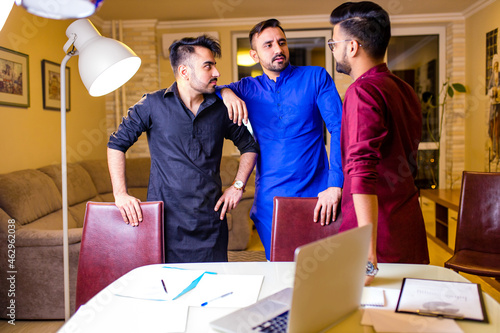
(246, 256)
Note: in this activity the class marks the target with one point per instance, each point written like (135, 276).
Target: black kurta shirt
(186, 152)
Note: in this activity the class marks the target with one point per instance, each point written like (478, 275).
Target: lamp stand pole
(64, 188)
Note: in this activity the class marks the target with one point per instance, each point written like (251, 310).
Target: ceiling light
(243, 58)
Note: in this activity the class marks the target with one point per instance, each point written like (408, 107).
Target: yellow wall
(476, 129)
(30, 137)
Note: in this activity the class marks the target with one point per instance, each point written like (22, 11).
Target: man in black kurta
(186, 125)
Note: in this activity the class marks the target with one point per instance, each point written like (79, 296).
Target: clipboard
(445, 299)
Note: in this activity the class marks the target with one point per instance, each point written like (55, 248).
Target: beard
(202, 87)
(276, 66)
(342, 66)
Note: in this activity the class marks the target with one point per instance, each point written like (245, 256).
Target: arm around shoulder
(236, 107)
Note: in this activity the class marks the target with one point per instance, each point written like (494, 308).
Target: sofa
(31, 229)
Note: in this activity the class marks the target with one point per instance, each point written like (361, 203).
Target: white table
(278, 275)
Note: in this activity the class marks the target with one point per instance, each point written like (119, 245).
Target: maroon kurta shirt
(381, 130)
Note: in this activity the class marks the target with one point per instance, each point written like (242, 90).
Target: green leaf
(459, 87)
(450, 91)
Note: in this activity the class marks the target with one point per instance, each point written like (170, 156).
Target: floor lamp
(104, 65)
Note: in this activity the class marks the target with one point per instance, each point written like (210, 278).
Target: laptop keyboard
(277, 324)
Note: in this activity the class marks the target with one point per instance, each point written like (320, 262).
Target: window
(417, 56)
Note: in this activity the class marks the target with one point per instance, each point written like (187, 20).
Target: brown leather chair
(111, 248)
(477, 245)
(293, 226)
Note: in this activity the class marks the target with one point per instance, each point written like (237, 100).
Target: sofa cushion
(98, 171)
(27, 195)
(137, 172)
(52, 221)
(33, 237)
(108, 197)
(4, 223)
(228, 169)
(140, 193)
(229, 219)
(80, 185)
(78, 210)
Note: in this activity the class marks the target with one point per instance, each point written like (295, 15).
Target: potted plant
(448, 90)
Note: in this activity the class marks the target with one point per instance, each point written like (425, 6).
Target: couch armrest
(33, 237)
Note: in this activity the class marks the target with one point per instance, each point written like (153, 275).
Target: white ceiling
(169, 10)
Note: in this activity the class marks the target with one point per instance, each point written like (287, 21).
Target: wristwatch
(370, 269)
(239, 185)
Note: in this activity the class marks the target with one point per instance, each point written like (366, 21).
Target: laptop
(328, 283)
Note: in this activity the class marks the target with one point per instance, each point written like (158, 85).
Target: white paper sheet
(454, 299)
(145, 290)
(245, 290)
(148, 285)
(388, 321)
(134, 315)
(385, 319)
(373, 297)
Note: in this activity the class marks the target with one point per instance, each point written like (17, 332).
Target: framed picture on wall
(14, 78)
(51, 86)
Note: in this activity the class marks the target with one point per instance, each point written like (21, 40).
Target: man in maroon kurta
(381, 130)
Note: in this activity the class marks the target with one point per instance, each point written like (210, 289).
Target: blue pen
(205, 303)
(164, 286)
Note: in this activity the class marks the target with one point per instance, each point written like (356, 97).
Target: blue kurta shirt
(186, 152)
(287, 119)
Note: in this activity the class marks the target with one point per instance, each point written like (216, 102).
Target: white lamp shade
(60, 9)
(5, 8)
(104, 63)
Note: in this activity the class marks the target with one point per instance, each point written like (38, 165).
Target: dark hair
(366, 22)
(181, 49)
(261, 26)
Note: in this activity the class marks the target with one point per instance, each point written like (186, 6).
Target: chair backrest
(111, 248)
(478, 223)
(293, 226)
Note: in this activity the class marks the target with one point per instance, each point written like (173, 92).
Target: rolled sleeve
(364, 181)
(133, 125)
(242, 138)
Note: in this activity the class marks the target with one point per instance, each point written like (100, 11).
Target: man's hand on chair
(129, 208)
(326, 208)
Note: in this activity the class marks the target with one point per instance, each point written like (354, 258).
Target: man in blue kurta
(186, 125)
(287, 107)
